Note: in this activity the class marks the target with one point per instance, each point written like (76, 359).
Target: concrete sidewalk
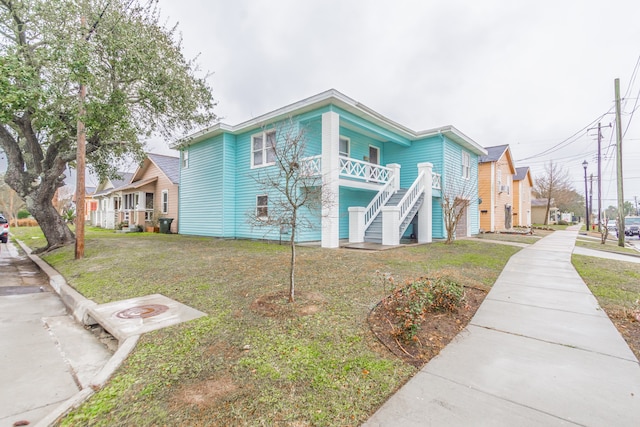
(46, 356)
(539, 352)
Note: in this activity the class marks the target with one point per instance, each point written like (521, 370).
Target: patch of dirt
(206, 393)
(277, 304)
(437, 330)
(628, 323)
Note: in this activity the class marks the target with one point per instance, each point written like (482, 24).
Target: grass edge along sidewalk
(238, 367)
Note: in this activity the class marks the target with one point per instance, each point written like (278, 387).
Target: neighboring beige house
(539, 209)
(495, 188)
(109, 200)
(150, 193)
(522, 186)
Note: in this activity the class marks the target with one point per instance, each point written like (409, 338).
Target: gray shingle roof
(493, 153)
(168, 164)
(521, 173)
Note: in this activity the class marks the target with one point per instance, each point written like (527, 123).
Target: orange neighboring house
(522, 185)
(495, 188)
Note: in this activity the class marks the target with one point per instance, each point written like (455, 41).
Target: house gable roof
(110, 185)
(496, 153)
(329, 98)
(522, 173)
(168, 165)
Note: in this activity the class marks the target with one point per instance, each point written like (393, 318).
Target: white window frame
(262, 205)
(185, 158)
(131, 201)
(264, 150)
(344, 153)
(164, 201)
(466, 165)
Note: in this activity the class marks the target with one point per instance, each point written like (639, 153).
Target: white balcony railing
(360, 170)
(312, 166)
(436, 181)
(364, 171)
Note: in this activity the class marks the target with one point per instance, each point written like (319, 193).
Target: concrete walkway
(46, 356)
(538, 352)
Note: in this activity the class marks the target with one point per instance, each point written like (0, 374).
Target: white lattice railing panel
(436, 181)
(312, 166)
(365, 171)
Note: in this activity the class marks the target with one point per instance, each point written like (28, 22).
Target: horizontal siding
(349, 198)
(424, 150)
(453, 181)
(202, 192)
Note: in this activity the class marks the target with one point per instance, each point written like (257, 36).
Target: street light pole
(586, 195)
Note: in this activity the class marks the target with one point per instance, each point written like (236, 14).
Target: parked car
(4, 229)
(632, 226)
(612, 225)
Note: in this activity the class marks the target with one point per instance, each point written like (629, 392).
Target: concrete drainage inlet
(142, 311)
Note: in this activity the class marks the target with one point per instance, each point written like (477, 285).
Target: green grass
(616, 284)
(237, 366)
(611, 245)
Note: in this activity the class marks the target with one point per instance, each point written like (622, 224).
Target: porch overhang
(138, 184)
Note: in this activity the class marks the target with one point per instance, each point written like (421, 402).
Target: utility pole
(81, 164)
(619, 165)
(599, 174)
(591, 198)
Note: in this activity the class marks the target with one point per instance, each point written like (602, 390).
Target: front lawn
(314, 364)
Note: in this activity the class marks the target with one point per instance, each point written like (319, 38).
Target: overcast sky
(529, 74)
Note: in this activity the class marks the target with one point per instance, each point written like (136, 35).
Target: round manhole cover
(142, 311)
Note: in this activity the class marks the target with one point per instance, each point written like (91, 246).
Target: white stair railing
(373, 209)
(409, 199)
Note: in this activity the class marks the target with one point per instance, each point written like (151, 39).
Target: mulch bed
(438, 329)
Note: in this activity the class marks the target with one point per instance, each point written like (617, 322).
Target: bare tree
(456, 198)
(553, 183)
(293, 188)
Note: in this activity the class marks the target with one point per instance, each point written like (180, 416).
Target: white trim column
(330, 179)
(356, 224)
(391, 225)
(395, 171)
(425, 213)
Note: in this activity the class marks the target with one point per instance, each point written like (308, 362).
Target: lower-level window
(262, 210)
(165, 201)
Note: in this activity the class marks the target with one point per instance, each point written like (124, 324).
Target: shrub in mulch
(417, 320)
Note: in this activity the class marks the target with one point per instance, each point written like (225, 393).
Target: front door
(507, 216)
(462, 225)
(374, 158)
(374, 155)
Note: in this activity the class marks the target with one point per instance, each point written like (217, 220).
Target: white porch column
(330, 179)
(425, 214)
(356, 224)
(391, 225)
(395, 170)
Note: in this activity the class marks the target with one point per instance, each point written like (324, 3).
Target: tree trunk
(38, 191)
(292, 266)
(52, 224)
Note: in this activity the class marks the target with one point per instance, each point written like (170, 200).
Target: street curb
(78, 305)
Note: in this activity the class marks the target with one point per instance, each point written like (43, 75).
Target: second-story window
(343, 149)
(185, 159)
(466, 165)
(263, 149)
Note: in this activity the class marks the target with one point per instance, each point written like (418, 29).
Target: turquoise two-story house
(386, 181)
